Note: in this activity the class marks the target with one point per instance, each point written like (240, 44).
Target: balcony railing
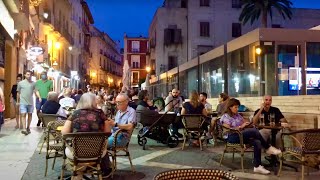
(68, 36)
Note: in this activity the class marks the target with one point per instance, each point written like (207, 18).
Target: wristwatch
(116, 125)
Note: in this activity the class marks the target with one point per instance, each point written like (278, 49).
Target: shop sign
(6, 20)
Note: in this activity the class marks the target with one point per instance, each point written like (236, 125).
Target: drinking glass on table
(272, 119)
(262, 119)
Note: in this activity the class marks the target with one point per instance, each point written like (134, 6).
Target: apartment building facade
(135, 52)
(184, 29)
(106, 63)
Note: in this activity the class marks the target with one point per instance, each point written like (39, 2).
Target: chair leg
(54, 159)
(129, 157)
(200, 142)
(99, 172)
(224, 151)
(184, 140)
(44, 141)
(232, 154)
(280, 167)
(242, 154)
(302, 167)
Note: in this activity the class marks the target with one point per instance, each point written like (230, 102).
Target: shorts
(26, 108)
(40, 104)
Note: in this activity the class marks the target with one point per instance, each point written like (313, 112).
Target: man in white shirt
(173, 100)
(67, 101)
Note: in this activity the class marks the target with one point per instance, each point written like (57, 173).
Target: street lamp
(148, 69)
(261, 69)
(258, 50)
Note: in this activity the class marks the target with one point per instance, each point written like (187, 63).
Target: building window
(183, 3)
(135, 61)
(135, 46)
(172, 62)
(236, 4)
(172, 36)
(204, 29)
(205, 3)
(135, 77)
(236, 29)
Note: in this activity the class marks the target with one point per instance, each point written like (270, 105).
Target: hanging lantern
(35, 2)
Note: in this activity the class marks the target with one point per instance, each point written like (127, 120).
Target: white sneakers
(273, 151)
(261, 170)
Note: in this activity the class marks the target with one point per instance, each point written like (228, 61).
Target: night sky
(133, 17)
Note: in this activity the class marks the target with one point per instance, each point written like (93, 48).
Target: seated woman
(223, 99)
(232, 119)
(195, 107)
(51, 106)
(88, 118)
(101, 105)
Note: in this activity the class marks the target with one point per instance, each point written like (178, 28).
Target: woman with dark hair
(232, 119)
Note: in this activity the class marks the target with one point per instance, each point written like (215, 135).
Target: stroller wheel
(144, 142)
(141, 139)
(172, 141)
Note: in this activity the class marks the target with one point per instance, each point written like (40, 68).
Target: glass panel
(313, 68)
(212, 76)
(192, 75)
(289, 82)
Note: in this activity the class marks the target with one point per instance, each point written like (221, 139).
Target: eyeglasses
(119, 102)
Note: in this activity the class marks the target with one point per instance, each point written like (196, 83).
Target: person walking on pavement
(25, 91)
(2, 107)
(13, 100)
(44, 86)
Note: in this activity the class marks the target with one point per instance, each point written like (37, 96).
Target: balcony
(57, 26)
(135, 50)
(67, 35)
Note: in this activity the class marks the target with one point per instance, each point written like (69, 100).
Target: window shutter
(167, 36)
(177, 36)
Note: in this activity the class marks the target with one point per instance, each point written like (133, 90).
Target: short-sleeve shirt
(87, 120)
(26, 90)
(67, 102)
(193, 110)
(234, 121)
(44, 87)
(177, 102)
(126, 117)
(276, 111)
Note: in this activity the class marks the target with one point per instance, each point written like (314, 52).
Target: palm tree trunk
(264, 19)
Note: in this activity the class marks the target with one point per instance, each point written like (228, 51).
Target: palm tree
(252, 9)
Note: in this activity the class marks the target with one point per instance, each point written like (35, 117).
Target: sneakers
(261, 170)
(273, 151)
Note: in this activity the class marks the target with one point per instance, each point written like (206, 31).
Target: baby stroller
(156, 127)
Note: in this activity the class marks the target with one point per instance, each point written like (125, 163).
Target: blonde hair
(194, 98)
(52, 96)
(87, 101)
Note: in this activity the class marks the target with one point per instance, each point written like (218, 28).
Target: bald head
(267, 99)
(122, 101)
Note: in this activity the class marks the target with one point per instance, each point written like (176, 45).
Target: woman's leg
(254, 134)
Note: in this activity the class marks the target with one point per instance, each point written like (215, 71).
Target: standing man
(173, 100)
(25, 91)
(266, 109)
(44, 86)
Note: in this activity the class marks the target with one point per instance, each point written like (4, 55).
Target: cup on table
(272, 119)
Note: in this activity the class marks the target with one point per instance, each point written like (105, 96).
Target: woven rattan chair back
(311, 141)
(191, 174)
(88, 145)
(192, 121)
(46, 118)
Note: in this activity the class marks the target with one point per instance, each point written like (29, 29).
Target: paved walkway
(16, 149)
(20, 159)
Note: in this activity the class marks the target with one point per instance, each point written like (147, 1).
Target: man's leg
(29, 121)
(265, 133)
(18, 120)
(38, 107)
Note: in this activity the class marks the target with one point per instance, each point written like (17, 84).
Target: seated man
(266, 109)
(145, 111)
(125, 119)
(51, 106)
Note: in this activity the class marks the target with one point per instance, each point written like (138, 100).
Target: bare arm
(67, 127)
(183, 111)
(256, 117)
(2, 98)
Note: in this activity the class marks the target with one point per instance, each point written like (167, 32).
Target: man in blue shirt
(125, 119)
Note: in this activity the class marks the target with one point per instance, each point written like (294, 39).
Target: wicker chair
(53, 138)
(240, 147)
(45, 119)
(115, 150)
(310, 145)
(87, 149)
(191, 174)
(193, 127)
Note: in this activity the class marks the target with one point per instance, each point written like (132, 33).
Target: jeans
(251, 136)
(122, 140)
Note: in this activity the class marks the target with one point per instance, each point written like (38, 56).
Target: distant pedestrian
(13, 100)
(25, 91)
(44, 86)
